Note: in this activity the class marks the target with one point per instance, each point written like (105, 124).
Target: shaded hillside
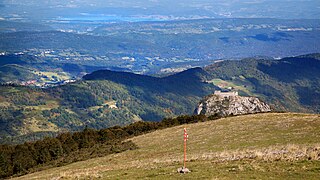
(11, 59)
(105, 99)
(291, 84)
(15, 73)
(260, 146)
(186, 82)
(21, 67)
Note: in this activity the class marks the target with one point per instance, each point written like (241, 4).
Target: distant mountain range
(153, 47)
(106, 98)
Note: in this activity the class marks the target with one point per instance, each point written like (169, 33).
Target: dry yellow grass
(260, 146)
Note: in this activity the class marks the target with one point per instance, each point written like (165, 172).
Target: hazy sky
(290, 9)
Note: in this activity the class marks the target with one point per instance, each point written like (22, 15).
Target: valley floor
(259, 146)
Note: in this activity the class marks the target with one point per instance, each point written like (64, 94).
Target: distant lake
(86, 17)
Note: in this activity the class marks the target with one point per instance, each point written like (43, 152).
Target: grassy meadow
(258, 146)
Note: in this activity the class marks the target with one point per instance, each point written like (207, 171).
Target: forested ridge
(106, 98)
(116, 99)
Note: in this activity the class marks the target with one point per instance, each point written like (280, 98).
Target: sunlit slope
(261, 146)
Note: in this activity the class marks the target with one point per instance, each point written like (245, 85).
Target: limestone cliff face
(219, 105)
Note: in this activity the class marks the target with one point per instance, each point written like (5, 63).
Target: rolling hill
(290, 84)
(102, 99)
(259, 146)
(106, 98)
(203, 39)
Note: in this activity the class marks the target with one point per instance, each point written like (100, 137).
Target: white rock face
(217, 105)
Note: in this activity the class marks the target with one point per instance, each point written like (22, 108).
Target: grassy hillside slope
(260, 146)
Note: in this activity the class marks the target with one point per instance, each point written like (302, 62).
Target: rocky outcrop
(220, 105)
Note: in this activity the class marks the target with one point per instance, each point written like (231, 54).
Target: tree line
(71, 147)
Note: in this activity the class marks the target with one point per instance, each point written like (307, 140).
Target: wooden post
(185, 154)
(185, 138)
(184, 169)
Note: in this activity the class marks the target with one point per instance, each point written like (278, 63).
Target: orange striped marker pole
(185, 138)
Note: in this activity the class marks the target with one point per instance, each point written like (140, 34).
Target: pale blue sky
(289, 9)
